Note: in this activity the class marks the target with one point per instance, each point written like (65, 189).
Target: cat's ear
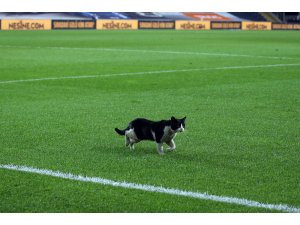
(173, 118)
(183, 119)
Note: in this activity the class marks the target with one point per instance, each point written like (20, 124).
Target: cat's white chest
(168, 135)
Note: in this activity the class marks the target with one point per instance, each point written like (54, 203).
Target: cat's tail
(121, 132)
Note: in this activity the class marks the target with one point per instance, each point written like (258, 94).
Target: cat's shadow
(175, 155)
(144, 151)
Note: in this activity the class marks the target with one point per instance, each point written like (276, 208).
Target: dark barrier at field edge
(156, 24)
(73, 24)
(226, 25)
(280, 26)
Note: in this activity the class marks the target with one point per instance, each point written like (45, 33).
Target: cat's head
(178, 125)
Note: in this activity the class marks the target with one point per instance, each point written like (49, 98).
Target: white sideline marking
(147, 72)
(149, 51)
(150, 188)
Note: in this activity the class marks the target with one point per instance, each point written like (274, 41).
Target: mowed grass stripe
(151, 51)
(151, 188)
(147, 72)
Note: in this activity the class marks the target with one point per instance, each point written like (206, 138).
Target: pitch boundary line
(151, 188)
(146, 72)
(151, 51)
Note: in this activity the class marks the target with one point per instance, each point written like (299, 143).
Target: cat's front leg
(171, 145)
(160, 149)
(131, 146)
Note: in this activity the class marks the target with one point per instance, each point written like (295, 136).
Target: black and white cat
(163, 131)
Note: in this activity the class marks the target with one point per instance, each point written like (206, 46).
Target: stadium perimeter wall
(27, 24)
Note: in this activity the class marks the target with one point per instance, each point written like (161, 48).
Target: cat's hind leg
(127, 141)
(132, 142)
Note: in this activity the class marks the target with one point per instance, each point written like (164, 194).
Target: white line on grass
(151, 188)
(147, 72)
(149, 51)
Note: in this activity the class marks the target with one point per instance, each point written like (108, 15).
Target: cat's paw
(171, 149)
(161, 152)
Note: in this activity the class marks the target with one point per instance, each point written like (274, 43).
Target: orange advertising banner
(206, 16)
(192, 25)
(26, 24)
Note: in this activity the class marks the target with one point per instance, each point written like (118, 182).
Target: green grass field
(242, 128)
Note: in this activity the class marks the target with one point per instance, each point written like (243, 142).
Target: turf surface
(242, 128)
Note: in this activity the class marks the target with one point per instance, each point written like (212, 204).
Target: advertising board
(279, 26)
(218, 25)
(117, 24)
(73, 24)
(256, 25)
(192, 25)
(26, 24)
(148, 24)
